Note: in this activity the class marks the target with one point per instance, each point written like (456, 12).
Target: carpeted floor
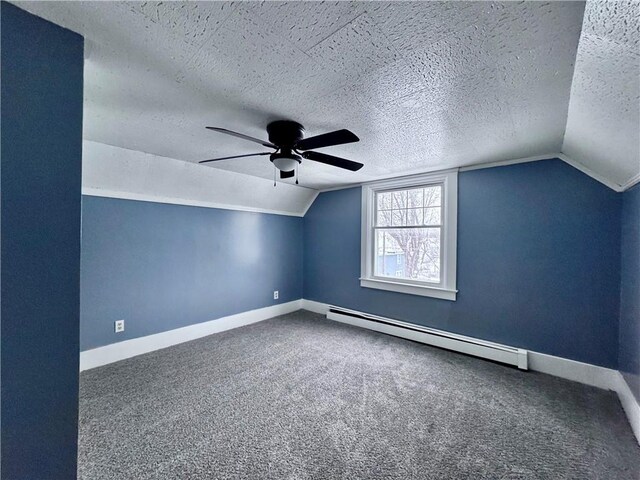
(301, 397)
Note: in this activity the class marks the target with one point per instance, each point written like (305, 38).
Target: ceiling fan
(287, 138)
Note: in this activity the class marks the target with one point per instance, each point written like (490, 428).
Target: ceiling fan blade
(327, 140)
(331, 160)
(287, 174)
(235, 156)
(243, 136)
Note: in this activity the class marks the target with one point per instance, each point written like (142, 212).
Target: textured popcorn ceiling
(603, 130)
(425, 85)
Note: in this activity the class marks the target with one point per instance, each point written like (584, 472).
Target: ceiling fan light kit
(287, 138)
(286, 162)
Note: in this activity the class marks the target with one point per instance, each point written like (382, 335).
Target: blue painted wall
(161, 266)
(41, 144)
(538, 261)
(629, 356)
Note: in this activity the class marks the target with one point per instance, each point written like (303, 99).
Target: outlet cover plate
(119, 326)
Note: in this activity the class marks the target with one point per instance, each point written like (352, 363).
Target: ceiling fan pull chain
(274, 175)
(297, 173)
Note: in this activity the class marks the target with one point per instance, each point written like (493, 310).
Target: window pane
(415, 216)
(384, 218)
(433, 196)
(399, 199)
(397, 218)
(415, 197)
(384, 201)
(411, 207)
(409, 253)
(432, 216)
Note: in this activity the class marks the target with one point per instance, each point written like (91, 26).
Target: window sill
(435, 292)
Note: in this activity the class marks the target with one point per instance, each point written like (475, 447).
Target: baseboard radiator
(430, 336)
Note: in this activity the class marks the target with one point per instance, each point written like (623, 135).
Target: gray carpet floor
(302, 397)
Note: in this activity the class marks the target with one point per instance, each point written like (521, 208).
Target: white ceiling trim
(632, 182)
(99, 192)
(587, 171)
(417, 172)
(115, 172)
(503, 163)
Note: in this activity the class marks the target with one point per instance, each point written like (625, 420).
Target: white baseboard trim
(315, 307)
(137, 346)
(585, 373)
(573, 370)
(629, 404)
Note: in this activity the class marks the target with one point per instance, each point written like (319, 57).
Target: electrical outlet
(119, 326)
(275, 294)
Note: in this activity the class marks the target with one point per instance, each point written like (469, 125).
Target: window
(409, 235)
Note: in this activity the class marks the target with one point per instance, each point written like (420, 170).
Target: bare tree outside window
(408, 234)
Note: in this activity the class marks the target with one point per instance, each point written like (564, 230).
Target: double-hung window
(409, 235)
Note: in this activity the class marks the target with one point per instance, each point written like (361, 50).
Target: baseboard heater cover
(431, 336)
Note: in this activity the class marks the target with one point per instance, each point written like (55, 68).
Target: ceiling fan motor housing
(285, 133)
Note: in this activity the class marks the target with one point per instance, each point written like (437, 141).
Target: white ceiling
(115, 172)
(603, 130)
(425, 85)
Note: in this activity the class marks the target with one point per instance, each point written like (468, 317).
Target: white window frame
(446, 289)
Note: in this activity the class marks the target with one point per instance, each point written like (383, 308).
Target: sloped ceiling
(109, 171)
(425, 85)
(603, 128)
